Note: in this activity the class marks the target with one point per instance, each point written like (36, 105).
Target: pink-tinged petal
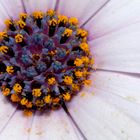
(114, 16)
(119, 51)
(18, 127)
(80, 9)
(107, 111)
(43, 5)
(52, 125)
(12, 7)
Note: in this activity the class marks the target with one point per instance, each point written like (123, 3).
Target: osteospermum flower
(47, 55)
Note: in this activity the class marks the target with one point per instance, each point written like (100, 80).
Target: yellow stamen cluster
(78, 62)
(3, 35)
(15, 98)
(3, 49)
(81, 32)
(8, 22)
(66, 96)
(51, 12)
(84, 47)
(39, 103)
(67, 32)
(63, 19)
(17, 88)
(36, 92)
(78, 74)
(27, 113)
(87, 82)
(6, 91)
(23, 16)
(10, 69)
(51, 81)
(52, 22)
(56, 100)
(73, 21)
(47, 99)
(35, 56)
(68, 80)
(85, 59)
(29, 105)
(24, 101)
(38, 15)
(75, 87)
(21, 24)
(19, 38)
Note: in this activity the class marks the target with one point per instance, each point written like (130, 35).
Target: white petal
(80, 9)
(3, 16)
(118, 51)
(105, 116)
(13, 8)
(6, 111)
(115, 15)
(124, 86)
(43, 5)
(18, 128)
(52, 125)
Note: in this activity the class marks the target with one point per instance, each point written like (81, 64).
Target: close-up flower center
(44, 60)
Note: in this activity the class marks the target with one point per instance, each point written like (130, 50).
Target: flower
(109, 107)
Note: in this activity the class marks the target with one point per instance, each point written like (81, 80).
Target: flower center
(44, 60)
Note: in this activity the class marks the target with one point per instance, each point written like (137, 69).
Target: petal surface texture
(119, 50)
(109, 110)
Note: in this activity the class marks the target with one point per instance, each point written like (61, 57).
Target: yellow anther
(36, 56)
(47, 99)
(18, 38)
(84, 47)
(63, 19)
(29, 105)
(52, 22)
(15, 98)
(68, 80)
(73, 21)
(39, 103)
(6, 91)
(82, 33)
(21, 24)
(78, 62)
(3, 49)
(66, 96)
(10, 69)
(3, 35)
(87, 82)
(51, 12)
(67, 32)
(17, 88)
(36, 92)
(85, 59)
(51, 81)
(38, 15)
(75, 87)
(8, 22)
(55, 100)
(24, 101)
(23, 16)
(92, 61)
(78, 74)
(85, 72)
(27, 113)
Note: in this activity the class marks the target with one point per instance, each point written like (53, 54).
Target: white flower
(110, 108)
